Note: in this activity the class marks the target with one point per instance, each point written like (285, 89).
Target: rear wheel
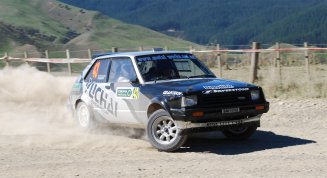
(163, 132)
(240, 133)
(84, 116)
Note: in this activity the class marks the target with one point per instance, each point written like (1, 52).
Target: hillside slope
(223, 21)
(49, 24)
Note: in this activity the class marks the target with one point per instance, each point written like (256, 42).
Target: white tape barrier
(4, 57)
(260, 50)
(52, 60)
(58, 60)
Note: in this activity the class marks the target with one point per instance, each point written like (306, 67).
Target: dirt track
(38, 138)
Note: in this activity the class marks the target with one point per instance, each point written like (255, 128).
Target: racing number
(96, 69)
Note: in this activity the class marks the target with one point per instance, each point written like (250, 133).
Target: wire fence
(278, 67)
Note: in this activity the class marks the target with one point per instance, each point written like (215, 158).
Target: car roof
(134, 54)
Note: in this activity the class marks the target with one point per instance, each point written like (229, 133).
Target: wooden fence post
(114, 49)
(6, 59)
(277, 66)
(89, 53)
(254, 63)
(68, 64)
(48, 63)
(307, 63)
(25, 57)
(191, 49)
(220, 73)
(140, 48)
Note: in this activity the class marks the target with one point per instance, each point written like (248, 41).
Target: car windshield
(171, 66)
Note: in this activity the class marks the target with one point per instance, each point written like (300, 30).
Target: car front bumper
(215, 119)
(189, 127)
(216, 114)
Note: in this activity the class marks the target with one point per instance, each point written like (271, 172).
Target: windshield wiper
(166, 78)
(159, 78)
(203, 76)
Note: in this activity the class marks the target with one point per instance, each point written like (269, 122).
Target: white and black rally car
(170, 94)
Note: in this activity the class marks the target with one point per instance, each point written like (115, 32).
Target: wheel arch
(77, 102)
(155, 105)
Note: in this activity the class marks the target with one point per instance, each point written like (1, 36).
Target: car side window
(99, 71)
(122, 70)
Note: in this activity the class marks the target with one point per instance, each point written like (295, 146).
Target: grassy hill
(231, 22)
(49, 24)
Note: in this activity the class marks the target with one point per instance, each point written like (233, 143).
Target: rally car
(170, 94)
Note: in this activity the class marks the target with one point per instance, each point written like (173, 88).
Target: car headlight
(255, 94)
(189, 100)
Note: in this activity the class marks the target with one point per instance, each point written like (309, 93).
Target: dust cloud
(33, 110)
(33, 102)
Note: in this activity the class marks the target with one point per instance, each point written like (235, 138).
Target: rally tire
(240, 133)
(84, 117)
(163, 132)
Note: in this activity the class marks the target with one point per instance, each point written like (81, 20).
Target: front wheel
(163, 132)
(240, 133)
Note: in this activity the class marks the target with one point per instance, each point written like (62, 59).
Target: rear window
(99, 71)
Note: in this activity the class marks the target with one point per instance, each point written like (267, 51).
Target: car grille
(224, 99)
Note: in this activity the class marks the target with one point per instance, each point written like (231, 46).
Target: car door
(97, 93)
(122, 82)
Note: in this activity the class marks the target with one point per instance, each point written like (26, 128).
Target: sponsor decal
(136, 92)
(207, 92)
(127, 92)
(77, 86)
(100, 97)
(165, 57)
(218, 87)
(96, 70)
(172, 93)
(77, 89)
(101, 77)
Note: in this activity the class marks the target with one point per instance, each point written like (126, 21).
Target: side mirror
(107, 87)
(135, 80)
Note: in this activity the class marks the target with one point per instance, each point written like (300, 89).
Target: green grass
(2, 64)
(24, 13)
(5, 45)
(113, 33)
(104, 32)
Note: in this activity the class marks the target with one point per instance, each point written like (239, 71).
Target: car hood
(198, 85)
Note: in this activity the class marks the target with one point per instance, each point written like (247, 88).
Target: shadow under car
(214, 142)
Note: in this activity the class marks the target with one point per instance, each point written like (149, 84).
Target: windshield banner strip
(164, 57)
